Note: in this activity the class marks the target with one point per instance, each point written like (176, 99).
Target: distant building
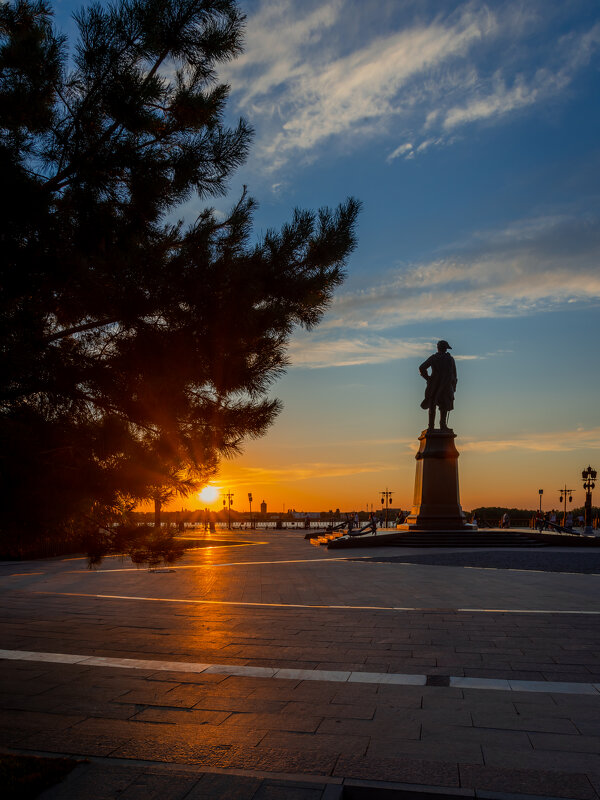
(304, 514)
(263, 507)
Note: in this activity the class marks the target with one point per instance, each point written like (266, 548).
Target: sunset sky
(470, 133)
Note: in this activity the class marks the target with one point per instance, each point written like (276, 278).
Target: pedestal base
(436, 502)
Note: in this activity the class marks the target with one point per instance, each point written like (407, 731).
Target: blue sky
(469, 131)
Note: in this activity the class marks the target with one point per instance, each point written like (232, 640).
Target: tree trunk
(157, 505)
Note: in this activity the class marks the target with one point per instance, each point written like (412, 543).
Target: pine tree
(134, 349)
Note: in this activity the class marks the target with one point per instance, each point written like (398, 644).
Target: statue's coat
(441, 384)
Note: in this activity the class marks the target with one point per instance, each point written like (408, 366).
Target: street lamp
(250, 502)
(227, 502)
(540, 492)
(588, 476)
(386, 498)
(563, 493)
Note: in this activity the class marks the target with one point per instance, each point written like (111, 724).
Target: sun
(209, 494)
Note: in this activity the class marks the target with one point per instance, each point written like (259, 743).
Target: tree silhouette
(131, 346)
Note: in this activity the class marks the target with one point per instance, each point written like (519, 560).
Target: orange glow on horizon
(313, 480)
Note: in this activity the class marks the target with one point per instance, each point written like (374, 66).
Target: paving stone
(71, 743)
(396, 727)
(330, 710)
(246, 704)
(284, 663)
(439, 717)
(536, 698)
(320, 741)
(531, 782)
(513, 740)
(148, 786)
(594, 778)
(359, 693)
(94, 708)
(74, 691)
(569, 677)
(264, 759)
(517, 722)
(472, 704)
(578, 703)
(289, 791)
(551, 666)
(177, 715)
(193, 753)
(274, 722)
(555, 741)
(196, 678)
(33, 703)
(402, 770)
(9, 737)
(92, 782)
(151, 697)
(38, 721)
(224, 787)
(586, 727)
(445, 750)
(168, 742)
(125, 728)
(499, 756)
(309, 691)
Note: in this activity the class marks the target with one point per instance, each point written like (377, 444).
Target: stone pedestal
(436, 502)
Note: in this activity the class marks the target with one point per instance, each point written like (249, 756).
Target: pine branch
(101, 323)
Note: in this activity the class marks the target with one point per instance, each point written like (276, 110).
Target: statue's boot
(431, 425)
(444, 420)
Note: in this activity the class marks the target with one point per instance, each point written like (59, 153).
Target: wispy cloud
(561, 441)
(536, 265)
(545, 442)
(529, 266)
(331, 70)
(545, 82)
(240, 475)
(307, 350)
(316, 351)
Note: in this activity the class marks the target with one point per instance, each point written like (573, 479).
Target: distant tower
(263, 507)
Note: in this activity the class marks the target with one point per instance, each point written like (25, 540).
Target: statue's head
(443, 345)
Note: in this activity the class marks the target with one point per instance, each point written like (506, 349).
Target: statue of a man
(441, 384)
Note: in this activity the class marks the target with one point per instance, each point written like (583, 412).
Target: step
(435, 539)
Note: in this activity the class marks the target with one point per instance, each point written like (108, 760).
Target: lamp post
(386, 499)
(564, 492)
(227, 502)
(250, 502)
(540, 492)
(588, 476)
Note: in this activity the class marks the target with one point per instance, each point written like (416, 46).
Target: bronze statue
(441, 384)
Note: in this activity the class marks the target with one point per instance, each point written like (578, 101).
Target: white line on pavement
(317, 605)
(337, 676)
(210, 565)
